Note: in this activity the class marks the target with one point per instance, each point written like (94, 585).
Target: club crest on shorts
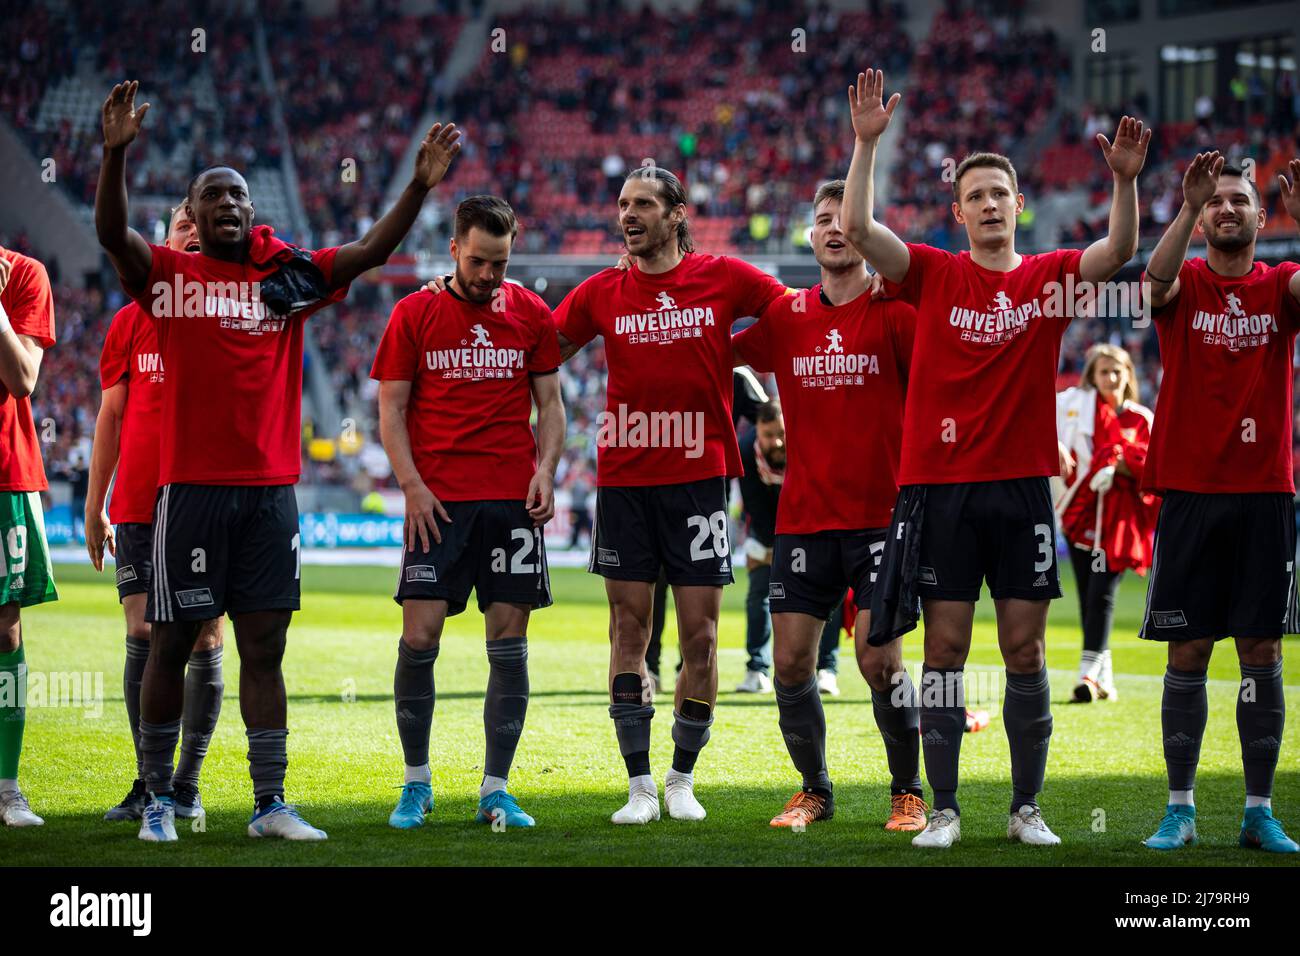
(421, 572)
(194, 597)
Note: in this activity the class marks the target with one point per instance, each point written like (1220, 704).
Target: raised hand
(1201, 178)
(1291, 190)
(1129, 151)
(439, 148)
(866, 105)
(122, 120)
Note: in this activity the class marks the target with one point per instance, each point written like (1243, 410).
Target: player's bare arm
(1200, 180)
(103, 462)
(20, 355)
(439, 148)
(126, 248)
(1125, 157)
(421, 504)
(568, 349)
(1290, 190)
(550, 443)
(884, 251)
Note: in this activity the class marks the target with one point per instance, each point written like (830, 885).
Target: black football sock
(1027, 714)
(505, 704)
(1183, 711)
(943, 725)
(690, 733)
(803, 725)
(1261, 715)
(157, 751)
(898, 719)
(631, 723)
(137, 655)
(268, 760)
(413, 698)
(204, 687)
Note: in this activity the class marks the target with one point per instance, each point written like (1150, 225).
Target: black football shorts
(1224, 566)
(134, 543)
(682, 528)
(490, 547)
(811, 572)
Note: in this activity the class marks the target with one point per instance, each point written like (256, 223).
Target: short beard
(661, 243)
(1230, 243)
(466, 289)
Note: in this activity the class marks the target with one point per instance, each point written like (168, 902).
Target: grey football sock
(803, 725)
(505, 704)
(413, 697)
(157, 751)
(204, 687)
(1027, 714)
(268, 759)
(137, 655)
(1183, 711)
(898, 718)
(1261, 715)
(943, 724)
(631, 723)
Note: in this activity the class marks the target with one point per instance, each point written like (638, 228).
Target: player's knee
(878, 669)
(210, 636)
(1190, 655)
(422, 637)
(699, 646)
(792, 669)
(1026, 657)
(1259, 652)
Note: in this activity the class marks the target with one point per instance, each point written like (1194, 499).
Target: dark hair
(829, 190)
(673, 193)
(991, 160)
(492, 214)
(769, 411)
(189, 190)
(1232, 169)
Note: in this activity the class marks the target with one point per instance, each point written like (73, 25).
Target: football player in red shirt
(1221, 458)
(841, 362)
(459, 372)
(979, 444)
(26, 331)
(126, 442)
(230, 322)
(666, 448)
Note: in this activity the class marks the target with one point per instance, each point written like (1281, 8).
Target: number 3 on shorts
(1045, 549)
(715, 524)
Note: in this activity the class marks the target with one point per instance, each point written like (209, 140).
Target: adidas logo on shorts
(421, 572)
(1040, 581)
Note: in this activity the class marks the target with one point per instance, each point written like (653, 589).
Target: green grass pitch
(1105, 783)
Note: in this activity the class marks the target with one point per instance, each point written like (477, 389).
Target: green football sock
(13, 710)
